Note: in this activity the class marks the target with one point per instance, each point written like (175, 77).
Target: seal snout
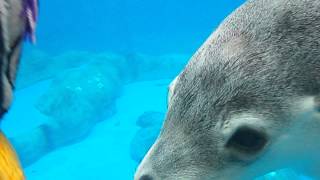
(144, 173)
(146, 177)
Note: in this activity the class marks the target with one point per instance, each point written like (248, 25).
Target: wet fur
(262, 60)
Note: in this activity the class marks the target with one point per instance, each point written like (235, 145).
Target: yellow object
(10, 168)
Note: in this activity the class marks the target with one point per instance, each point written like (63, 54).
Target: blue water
(158, 26)
(89, 86)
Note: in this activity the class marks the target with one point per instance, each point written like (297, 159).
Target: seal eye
(247, 140)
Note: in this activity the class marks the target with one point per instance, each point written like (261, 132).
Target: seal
(248, 101)
(17, 21)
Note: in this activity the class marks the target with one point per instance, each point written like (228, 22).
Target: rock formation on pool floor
(84, 88)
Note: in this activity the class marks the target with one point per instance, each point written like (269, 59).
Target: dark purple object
(30, 13)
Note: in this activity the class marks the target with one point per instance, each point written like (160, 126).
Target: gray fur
(12, 25)
(260, 60)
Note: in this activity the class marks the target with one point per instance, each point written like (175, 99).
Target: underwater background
(91, 94)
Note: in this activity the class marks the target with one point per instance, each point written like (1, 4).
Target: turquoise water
(91, 94)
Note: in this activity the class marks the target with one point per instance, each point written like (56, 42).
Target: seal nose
(146, 177)
(145, 170)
